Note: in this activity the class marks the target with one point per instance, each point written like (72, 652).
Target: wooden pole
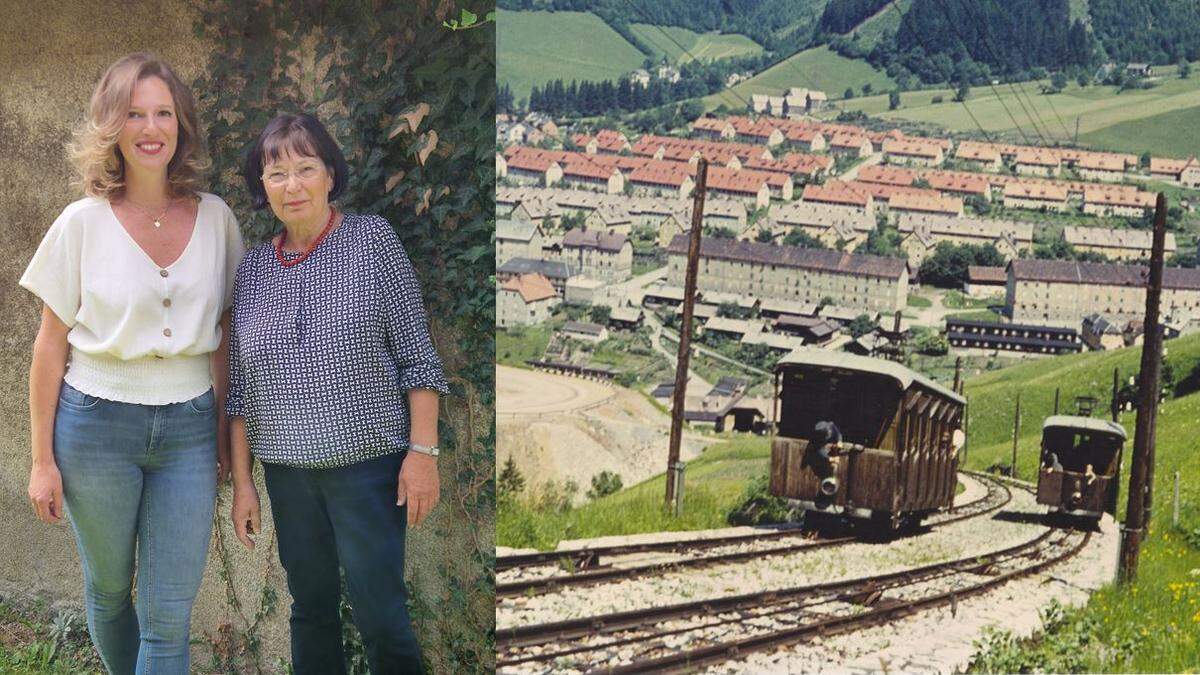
(1056, 391)
(1016, 433)
(1141, 473)
(685, 330)
(958, 374)
(1116, 406)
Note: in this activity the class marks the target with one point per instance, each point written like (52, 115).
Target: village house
(588, 176)
(959, 185)
(714, 129)
(985, 282)
(1062, 292)
(837, 227)
(1182, 171)
(584, 330)
(640, 77)
(913, 151)
(556, 271)
(669, 73)
(922, 233)
(1101, 167)
(533, 168)
(1099, 333)
(808, 139)
(1115, 244)
(626, 318)
(850, 145)
(584, 291)
(517, 239)
(813, 331)
(1129, 204)
(806, 168)
(598, 255)
(979, 156)
(838, 194)
(612, 219)
(1038, 162)
(662, 178)
(785, 272)
(525, 300)
(1035, 196)
(923, 204)
(886, 175)
(751, 187)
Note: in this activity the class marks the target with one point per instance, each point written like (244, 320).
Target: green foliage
(734, 311)
(931, 343)
(861, 325)
(801, 239)
(510, 483)
(962, 91)
(720, 232)
(600, 314)
(947, 267)
(893, 99)
(412, 106)
(604, 484)
(759, 507)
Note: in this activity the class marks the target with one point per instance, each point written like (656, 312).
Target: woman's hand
(46, 491)
(419, 486)
(245, 513)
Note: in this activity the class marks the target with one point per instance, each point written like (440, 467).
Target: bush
(603, 484)
(938, 99)
(760, 507)
(931, 344)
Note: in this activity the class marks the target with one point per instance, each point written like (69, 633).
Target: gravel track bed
(1012, 525)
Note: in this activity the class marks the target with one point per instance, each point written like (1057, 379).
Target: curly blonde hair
(94, 150)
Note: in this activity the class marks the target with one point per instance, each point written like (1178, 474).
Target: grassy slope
(703, 46)
(1155, 627)
(886, 19)
(1170, 134)
(536, 47)
(1098, 108)
(817, 68)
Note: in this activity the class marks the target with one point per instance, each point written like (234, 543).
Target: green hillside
(537, 47)
(817, 68)
(1107, 117)
(886, 20)
(1156, 627)
(1169, 134)
(702, 46)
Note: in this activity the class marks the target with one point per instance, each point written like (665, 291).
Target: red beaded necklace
(311, 247)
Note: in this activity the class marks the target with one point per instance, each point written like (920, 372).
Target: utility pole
(1016, 433)
(1116, 405)
(674, 467)
(1056, 390)
(1141, 474)
(957, 375)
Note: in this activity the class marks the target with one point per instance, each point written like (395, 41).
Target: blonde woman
(130, 364)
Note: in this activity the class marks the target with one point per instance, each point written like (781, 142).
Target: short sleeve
(410, 342)
(235, 250)
(53, 274)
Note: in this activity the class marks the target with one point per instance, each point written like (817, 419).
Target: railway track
(589, 569)
(688, 636)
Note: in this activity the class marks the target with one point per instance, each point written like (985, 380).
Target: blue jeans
(139, 478)
(345, 516)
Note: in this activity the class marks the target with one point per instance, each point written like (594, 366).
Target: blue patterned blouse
(322, 354)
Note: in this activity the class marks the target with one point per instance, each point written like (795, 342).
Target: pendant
(157, 224)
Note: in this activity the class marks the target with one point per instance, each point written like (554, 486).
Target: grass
(1154, 625)
(976, 315)
(33, 644)
(713, 485)
(887, 19)
(702, 46)
(919, 301)
(538, 47)
(1096, 108)
(1170, 134)
(515, 346)
(817, 68)
(959, 300)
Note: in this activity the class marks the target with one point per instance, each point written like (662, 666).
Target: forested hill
(842, 16)
(1153, 31)
(1010, 36)
(774, 24)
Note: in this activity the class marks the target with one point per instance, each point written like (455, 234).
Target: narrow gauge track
(998, 495)
(655, 645)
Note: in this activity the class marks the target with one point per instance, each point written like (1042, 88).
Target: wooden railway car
(865, 438)
(1080, 465)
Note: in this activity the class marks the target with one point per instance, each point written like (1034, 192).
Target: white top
(140, 333)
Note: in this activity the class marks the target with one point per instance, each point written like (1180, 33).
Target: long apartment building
(922, 233)
(1062, 292)
(1115, 244)
(863, 282)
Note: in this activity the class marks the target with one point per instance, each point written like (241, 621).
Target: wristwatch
(431, 450)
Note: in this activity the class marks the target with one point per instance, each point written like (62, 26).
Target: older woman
(129, 364)
(334, 387)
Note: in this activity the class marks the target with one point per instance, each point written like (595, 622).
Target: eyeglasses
(279, 177)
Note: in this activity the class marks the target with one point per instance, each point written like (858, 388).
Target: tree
(721, 232)
(893, 99)
(764, 236)
(1185, 69)
(510, 483)
(1083, 79)
(691, 110)
(600, 314)
(801, 239)
(1058, 82)
(947, 267)
(962, 92)
(931, 343)
(848, 94)
(861, 325)
(867, 89)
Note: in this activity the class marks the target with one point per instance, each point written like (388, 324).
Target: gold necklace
(158, 220)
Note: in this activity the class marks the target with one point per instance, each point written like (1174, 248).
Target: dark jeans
(346, 516)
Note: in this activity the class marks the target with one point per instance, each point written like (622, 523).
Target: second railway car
(864, 438)
(1080, 465)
